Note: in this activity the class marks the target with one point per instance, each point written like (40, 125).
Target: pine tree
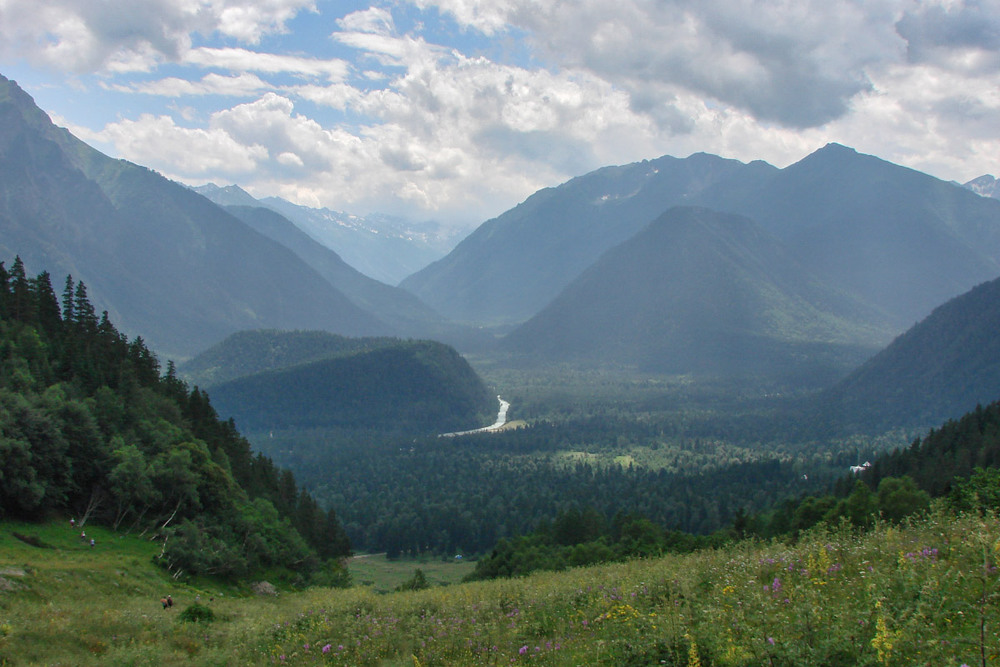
(4, 290)
(68, 312)
(21, 298)
(84, 315)
(46, 306)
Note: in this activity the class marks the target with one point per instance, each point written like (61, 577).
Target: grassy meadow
(384, 575)
(921, 594)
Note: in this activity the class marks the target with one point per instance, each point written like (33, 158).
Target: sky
(457, 110)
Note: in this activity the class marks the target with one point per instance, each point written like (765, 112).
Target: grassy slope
(384, 575)
(917, 595)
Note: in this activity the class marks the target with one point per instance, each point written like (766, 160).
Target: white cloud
(241, 85)
(157, 142)
(242, 60)
(131, 35)
(374, 20)
(407, 125)
(798, 64)
(249, 20)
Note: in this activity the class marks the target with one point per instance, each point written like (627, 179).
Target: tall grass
(921, 594)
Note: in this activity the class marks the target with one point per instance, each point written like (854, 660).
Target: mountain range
(510, 267)
(900, 241)
(700, 265)
(380, 246)
(708, 293)
(166, 262)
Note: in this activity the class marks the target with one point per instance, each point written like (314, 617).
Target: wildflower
(326, 649)
(523, 649)
(693, 659)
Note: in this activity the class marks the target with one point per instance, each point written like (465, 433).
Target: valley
(687, 359)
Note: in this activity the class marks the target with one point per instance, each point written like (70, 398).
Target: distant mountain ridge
(402, 312)
(939, 369)
(166, 263)
(705, 293)
(900, 240)
(380, 246)
(985, 186)
(512, 266)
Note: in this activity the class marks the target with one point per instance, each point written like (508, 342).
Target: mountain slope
(401, 309)
(251, 352)
(939, 369)
(704, 293)
(902, 241)
(899, 239)
(165, 262)
(382, 247)
(511, 266)
(985, 186)
(416, 387)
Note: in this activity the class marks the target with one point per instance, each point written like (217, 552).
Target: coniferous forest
(91, 427)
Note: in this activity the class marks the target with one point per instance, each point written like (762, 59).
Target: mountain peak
(700, 292)
(228, 195)
(986, 186)
(834, 147)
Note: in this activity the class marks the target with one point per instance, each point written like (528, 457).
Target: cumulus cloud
(403, 120)
(158, 142)
(798, 64)
(958, 35)
(131, 35)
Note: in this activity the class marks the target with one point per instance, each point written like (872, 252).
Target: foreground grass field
(925, 594)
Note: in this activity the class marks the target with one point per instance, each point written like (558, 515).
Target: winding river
(495, 426)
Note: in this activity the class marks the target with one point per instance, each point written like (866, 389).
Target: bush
(197, 613)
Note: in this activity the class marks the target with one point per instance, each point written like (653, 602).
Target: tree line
(90, 427)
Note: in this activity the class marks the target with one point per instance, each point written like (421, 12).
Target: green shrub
(198, 613)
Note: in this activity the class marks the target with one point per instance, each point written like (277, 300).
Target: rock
(263, 588)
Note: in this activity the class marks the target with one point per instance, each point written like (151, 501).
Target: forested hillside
(938, 370)
(381, 385)
(250, 352)
(91, 429)
(950, 453)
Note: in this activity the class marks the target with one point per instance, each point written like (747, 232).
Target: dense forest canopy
(90, 428)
